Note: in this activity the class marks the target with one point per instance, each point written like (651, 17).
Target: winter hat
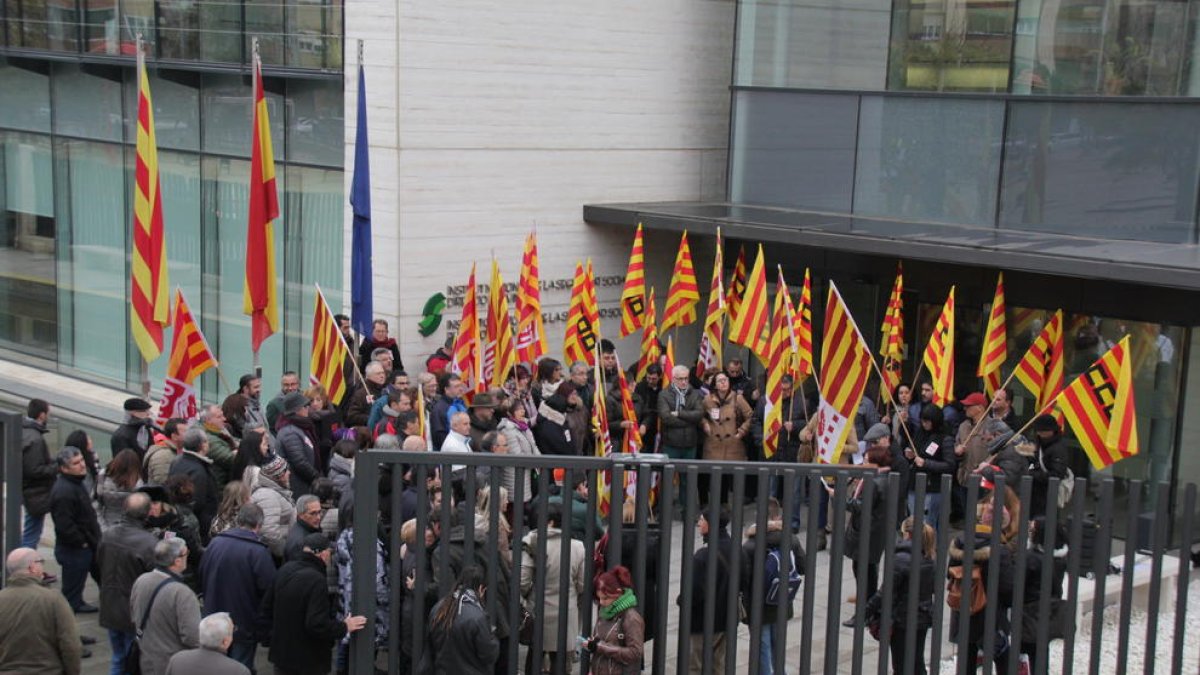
(274, 468)
(136, 405)
(293, 402)
(317, 542)
(876, 432)
(1045, 423)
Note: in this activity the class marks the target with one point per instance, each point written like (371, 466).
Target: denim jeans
(76, 563)
(766, 651)
(243, 652)
(31, 534)
(120, 641)
(933, 507)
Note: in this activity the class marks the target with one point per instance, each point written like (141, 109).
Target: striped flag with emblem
(778, 366)
(845, 368)
(327, 365)
(1041, 369)
(1099, 406)
(190, 356)
(580, 340)
(604, 445)
(892, 347)
(939, 354)
(710, 341)
(531, 332)
(751, 327)
(633, 295)
(683, 293)
(995, 342)
(651, 351)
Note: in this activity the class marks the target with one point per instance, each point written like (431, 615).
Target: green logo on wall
(431, 314)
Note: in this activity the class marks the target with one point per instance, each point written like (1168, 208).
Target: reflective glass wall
(66, 181)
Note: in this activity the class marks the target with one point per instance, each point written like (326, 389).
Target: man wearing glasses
(680, 412)
(37, 627)
(166, 613)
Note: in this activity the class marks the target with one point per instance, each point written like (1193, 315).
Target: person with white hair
(165, 611)
(216, 634)
(37, 628)
(680, 414)
(195, 463)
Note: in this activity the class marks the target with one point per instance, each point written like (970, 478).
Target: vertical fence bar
(833, 623)
(1017, 613)
(1074, 554)
(421, 581)
(716, 561)
(616, 503)
(1158, 542)
(566, 593)
(887, 587)
(779, 643)
(537, 649)
(993, 576)
(1045, 574)
(966, 661)
(1131, 537)
(1181, 587)
(757, 583)
(914, 579)
(514, 586)
(939, 573)
(395, 568)
(491, 549)
(590, 536)
(862, 563)
(688, 530)
(1102, 553)
(10, 481)
(363, 601)
(735, 578)
(441, 570)
(663, 582)
(815, 490)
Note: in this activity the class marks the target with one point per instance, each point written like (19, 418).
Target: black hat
(483, 400)
(136, 405)
(606, 346)
(293, 402)
(1046, 423)
(157, 493)
(317, 542)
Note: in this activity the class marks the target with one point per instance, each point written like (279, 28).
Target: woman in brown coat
(726, 423)
(618, 640)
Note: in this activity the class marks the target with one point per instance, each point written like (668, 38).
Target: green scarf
(627, 600)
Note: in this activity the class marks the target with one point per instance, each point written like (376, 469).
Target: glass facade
(66, 181)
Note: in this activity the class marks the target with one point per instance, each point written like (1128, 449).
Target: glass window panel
(314, 200)
(86, 105)
(264, 20)
(28, 23)
(221, 23)
(137, 16)
(228, 110)
(91, 180)
(102, 27)
(1120, 171)
(24, 99)
(929, 159)
(794, 149)
(314, 34)
(179, 32)
(953, 45)
(176, 112)
(62, 25)
(1115, 48)
(802, 43)
(28, 314)
(315, 125)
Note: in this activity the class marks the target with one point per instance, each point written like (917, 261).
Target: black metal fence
(10, 482)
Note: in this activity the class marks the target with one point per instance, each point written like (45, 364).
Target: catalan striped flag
(845, 368)
(1099, 406)
(190, 356)
(633, 436)
(710, 341)
(751, 327)
(995, 342)
(590, 307)
(580, 340)
(633, 295)
(423, 419)
(778, 366)
(892, 346)
(604, 444)
(531, 331)
(466, 346)
(499, 357)
(737, 287)
(149, 289)
(802, 339)
(684, 293)
(668, 359)
(260, 299)
(939, 354)
(651, 351)
(1041, 369)
(327, 363)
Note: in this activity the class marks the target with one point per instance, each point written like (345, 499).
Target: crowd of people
(211, 537)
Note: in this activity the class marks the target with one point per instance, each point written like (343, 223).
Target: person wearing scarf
(618, 640)
(136, 431)
(297, 437)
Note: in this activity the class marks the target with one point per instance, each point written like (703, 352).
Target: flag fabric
(531, 332)
(149, 289)
(633, 437)
(1099, 406)
(590, 307)
(802, 342)
(327, 364)
(684, 292)
(499, 358)
(423, 419)
(633, 295)
(737, 287)
(995, 342)
(668, 359)
(260, 299)
(190, 356)
(1041, 369)
(604, 446)
(651, 352)
(580, 340)
(892, 346)
(710, 342)
(845, 368)
(939, 354)
(362, 310)
(466, 361)
(750, 329)
(779, 365)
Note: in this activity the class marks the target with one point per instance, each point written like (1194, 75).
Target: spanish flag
(260, 297)
(633, 295)
(149, 293)
(995, 342)
(750, 329)
(939, 354)
(1099, 406)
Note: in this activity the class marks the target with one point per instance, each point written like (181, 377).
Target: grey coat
(174, 623)
(203, 661)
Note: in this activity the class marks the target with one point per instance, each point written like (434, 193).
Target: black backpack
(772, 581)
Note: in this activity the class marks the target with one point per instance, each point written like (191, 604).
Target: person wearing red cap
(972, 452)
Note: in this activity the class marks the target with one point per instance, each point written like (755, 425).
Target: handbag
(525, 626)
(132, 664)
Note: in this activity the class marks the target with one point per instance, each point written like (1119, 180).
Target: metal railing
(10, 482)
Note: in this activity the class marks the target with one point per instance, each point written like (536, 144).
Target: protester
(76, 528)
(221, 444)
(970, 449)
(931, 453)
(876, 529)
(268, 490)
(997, 605)
(122, 476)
(288, 383)
(460, 639)
(135, 432)
(618, 638)
(253, 450)
(342, 565)
(1053, 460)
(449, 402)
(379, 339)
(125, 553)
(297, 436)
(548, 377)
(235, 573)
(1002, 407)
(554, 608)
(1045, 548)
(39, 471)
(514, 425)
(157, 463)
(216, 637)
(234, 408)
(167, 612)
(796, 560)
(194, 463)
(645, 405)
(233, 497)
(327, 421)
(308, 521)
(552, 432)
(441, 358)
(396, 402)
(358, 410)
(726, 424)
(253, 417)
(915, 553)
(725, 556)
(181, 493)
(680, 412)
(37, 631)
(482, 413)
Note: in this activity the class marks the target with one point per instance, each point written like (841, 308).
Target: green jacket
(221, 451)
(579, 517)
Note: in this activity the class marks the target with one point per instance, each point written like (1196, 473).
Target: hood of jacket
(30, 423)
(340, 465)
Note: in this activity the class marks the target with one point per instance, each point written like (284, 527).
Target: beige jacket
(726, 424)
(554, 608)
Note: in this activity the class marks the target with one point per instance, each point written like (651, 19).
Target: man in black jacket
(303, 630)
(725, 557)
(194, 463)
(38, 471)
(125, 553)
(76, 527)
(135, 432)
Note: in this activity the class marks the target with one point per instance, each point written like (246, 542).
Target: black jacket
(1055, 457)
(902, 566)
(297, 438)
(725, 558)
(129, 435)
(303, 630)
(645, 404)
(452, 547)
(294, 546)
(439, 419)
(206, 494)
(878, 529)
(680, 423)
(75, 521)
(236, 572)
(789, 442)
(982, 556)
(38, 470)
(939, 462)
(467, 648)
(551, 437)
(126, 552)
(774, 541)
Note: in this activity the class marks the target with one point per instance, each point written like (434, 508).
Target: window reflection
(28, 235)
(951, 45)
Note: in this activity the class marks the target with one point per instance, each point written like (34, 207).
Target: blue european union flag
(362, 312)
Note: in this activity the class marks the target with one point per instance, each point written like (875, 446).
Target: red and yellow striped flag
(684, 293)
(802, 340)
(737, 287)
(995, 342)
(1041, 369)
(633, 436)
(423, 419)
(531, 331)
(892, 346)
(190, 356)
(750, 329)
(466, 360)
(778, 366)
(1099, 406)
(590, 307)
(260, 299)
(633, 295)
(604, 445)
(651, 352)
(149, 290)
(939, 354)
(579, 341)
(710, 342)
(499, 358)
(327, 365)
(845, 368)
(668, 359)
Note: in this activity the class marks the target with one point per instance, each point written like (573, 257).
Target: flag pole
(257, 361)
(989, 409)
